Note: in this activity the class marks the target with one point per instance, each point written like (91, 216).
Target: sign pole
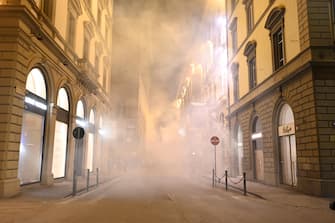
(215, 162)
(215, 141)
(78, 133)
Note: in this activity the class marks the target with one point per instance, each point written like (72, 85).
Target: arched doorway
(33, 120)
(239, 150)
(90, 143)
(61, 134)
(257, 146)
(287, 143)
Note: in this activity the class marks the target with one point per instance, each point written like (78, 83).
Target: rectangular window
(250, 16)
(252, 73)
(104, 80)
(71, 30)
(86, 48)
(233, 4)
(236, 87)
(233, 32)
(99, 18)
(96, 62)
(234, 40)
(47, 8)
(278, 48)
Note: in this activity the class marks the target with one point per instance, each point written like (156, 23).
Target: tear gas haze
(154, 43)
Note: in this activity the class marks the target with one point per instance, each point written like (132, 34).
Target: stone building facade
(54, 75)
(282, 86)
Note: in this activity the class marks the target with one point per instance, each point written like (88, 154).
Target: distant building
(55, 68)
(282, 104)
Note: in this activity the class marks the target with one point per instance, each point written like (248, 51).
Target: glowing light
(198, 103)
(35, 103)
(103, 132)
(256, 136)
(81, 123)
(182, 132)
(192, 68)
(220, 20)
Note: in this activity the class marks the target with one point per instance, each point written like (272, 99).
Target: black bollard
(244, 184)
(226, 178)
(88, 180)
(213, 183)
(97, 176)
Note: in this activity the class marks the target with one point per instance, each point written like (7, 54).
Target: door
(288, 160)
(259, 163)
(287, 140)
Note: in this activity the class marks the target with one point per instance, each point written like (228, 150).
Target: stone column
(49, 135)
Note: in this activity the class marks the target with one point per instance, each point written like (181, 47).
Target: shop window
(250, 53)
(90, 144)
(80, 121)
(61, 135)
(257, 146)
(239, 151)
(275, 24)
(32, 134)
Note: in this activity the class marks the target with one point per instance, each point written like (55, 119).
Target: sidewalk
(281, 196)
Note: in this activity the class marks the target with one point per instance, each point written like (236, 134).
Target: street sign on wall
(215, 140)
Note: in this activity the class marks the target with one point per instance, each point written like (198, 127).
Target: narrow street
(147, 197)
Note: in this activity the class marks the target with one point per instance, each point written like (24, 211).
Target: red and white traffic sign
(215, 140)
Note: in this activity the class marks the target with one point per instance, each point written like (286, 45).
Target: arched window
(36, 83)
(90, 144)
(63, 99)
(257, 146)
(287, 141)
(32, 135)
(61, 134)
(275, 24)
(80, 122)
(80, 110)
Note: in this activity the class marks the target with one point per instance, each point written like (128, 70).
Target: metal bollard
(244, 184)
(97, 176)
(88, 180)
(213, 183)
(226, 178)
(74, 186)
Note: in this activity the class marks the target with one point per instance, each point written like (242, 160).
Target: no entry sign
(215, 140)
